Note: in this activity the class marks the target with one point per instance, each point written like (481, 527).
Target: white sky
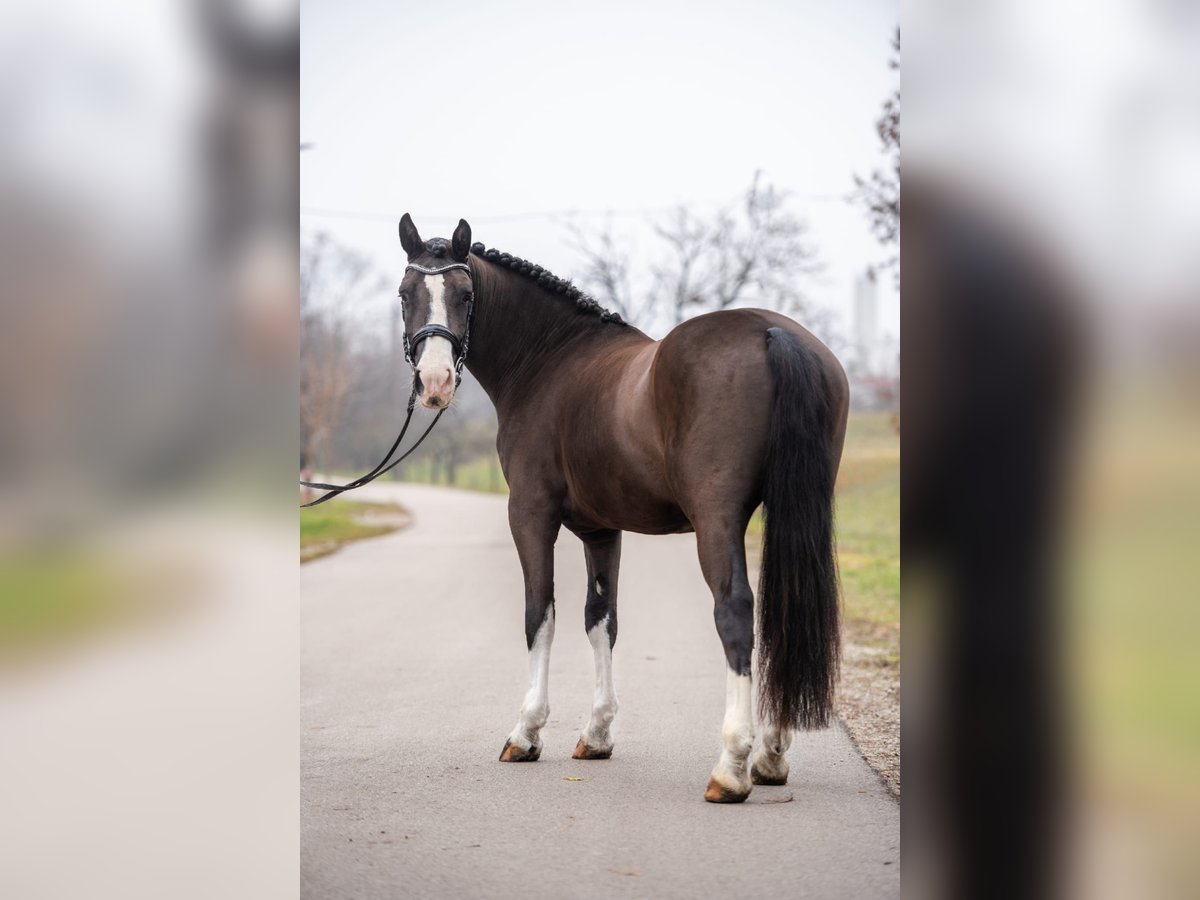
(511, 114)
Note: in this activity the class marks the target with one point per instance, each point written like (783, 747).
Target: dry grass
(868, 536)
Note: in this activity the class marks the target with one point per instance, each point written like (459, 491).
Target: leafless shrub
(332, 278)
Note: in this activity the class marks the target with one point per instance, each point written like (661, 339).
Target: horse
(604, 430)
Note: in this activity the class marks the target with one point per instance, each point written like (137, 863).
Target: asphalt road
(413, 670)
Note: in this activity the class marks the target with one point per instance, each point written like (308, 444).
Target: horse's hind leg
(770, 765)
(602, 551)
(723, 560)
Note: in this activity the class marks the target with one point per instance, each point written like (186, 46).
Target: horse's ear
(410, 239)
(460, 243)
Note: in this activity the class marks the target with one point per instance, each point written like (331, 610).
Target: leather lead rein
(459, 346)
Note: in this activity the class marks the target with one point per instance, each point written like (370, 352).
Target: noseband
(459, 345)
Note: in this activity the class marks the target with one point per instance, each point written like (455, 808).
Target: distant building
(874, 365)
(866, 322)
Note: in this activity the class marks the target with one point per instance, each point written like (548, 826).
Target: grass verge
(326, 528)
(868, 545)
(482, 475)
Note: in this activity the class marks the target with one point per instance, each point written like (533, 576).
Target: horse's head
(436, 294)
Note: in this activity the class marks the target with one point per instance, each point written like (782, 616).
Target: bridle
(459, 347)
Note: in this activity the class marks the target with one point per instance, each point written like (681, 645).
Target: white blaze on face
(437, 355)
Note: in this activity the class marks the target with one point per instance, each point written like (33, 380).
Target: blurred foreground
(1051, 233)
(1052, 490)
(148, 271)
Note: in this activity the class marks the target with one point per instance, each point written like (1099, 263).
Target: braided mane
(549, 281)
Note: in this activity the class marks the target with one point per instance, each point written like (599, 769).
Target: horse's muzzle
(437, 387)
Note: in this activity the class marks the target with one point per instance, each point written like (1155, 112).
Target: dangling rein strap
(460, 351)
(383, 467)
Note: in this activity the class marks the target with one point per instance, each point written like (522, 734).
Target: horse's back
(656, 434)
(736, 338)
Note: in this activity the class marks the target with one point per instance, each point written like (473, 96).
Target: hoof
(758, 776)
(513, 753)
(718, 793)
(583, 751)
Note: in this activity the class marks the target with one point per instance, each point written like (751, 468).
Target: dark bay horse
(604, 430)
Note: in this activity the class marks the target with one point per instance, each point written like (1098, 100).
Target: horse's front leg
(602, 551)
(534, 531)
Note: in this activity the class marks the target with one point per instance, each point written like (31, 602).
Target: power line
(376, 216)
(509, 217)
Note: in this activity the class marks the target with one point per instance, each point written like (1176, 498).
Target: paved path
(413, 669)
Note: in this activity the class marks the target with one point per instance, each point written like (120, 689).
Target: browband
(426, 270)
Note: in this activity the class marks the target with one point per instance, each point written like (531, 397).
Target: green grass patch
(325, 528)
(483, 474)
(49, 596)
(868, 530)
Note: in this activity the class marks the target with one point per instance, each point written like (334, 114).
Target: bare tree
(607, 268)
(676, 283)
(332, 278)
(879, 194)
(757, 252)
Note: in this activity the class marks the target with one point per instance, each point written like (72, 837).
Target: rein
(459, 346)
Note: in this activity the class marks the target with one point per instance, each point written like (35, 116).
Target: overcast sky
(513, 114)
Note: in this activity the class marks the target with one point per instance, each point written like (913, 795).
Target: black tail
(798, 643)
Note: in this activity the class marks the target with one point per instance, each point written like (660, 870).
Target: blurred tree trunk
(452, 464)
